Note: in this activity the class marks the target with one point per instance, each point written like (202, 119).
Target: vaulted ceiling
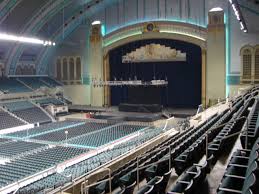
(45, 19)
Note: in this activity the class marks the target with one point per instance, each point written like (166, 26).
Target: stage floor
(112, 112)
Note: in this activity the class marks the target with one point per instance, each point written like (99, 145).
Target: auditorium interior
(129, 97)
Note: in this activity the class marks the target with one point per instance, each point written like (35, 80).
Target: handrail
(84, 187)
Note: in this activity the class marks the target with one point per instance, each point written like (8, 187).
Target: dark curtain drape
(184, 89)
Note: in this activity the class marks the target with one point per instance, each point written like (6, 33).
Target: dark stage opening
(184, 77)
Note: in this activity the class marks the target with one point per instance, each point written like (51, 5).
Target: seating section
(8, 121)
(105, 136)
(50, 82)
(253, 128)
(33, 82)
(241, 175)
(190, 142)
(48, 101)
(28, 112)
(11, 85)
(87, 166)
(72, 132)
(15, 84)
(12, 149)
(36, 162)
(44, 129)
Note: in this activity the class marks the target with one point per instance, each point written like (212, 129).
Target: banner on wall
(154, 53)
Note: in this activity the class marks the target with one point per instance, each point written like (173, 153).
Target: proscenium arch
(185, 37)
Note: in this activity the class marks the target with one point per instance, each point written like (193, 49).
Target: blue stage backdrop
(184, 88)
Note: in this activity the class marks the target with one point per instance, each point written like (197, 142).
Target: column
(216, 64)
(96, 64)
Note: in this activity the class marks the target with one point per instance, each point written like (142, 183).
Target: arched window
(72, 68)
(58, 69)
(246, 55)
(257, 63)
(78, 68)
(65, 69)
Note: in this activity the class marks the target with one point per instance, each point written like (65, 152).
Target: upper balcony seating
(11, 85)
(33, 82)
(51, 82)
(242, 173)
(8, 121)
(28, 112)
(48, 101)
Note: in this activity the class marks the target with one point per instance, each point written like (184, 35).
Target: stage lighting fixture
(236, 8)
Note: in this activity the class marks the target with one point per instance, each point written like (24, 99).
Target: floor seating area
(87, 166)
(8, 121)
(105, 136)
(13, 149)
(43, 129)
(30, 164)
(58, 136)
(28, 112)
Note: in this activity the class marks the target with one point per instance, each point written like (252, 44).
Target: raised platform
(144, 108)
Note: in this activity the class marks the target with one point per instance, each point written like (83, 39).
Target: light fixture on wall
(237, 11)
(97, 22)
(23, 39)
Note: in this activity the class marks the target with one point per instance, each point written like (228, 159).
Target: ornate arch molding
(163, 29)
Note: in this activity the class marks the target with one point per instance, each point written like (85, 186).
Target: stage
(113, 113)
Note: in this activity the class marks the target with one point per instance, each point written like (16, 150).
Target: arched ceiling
(41, 18)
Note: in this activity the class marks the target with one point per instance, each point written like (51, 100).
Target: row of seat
(44, 129)
(159, 169)
(253, 127)
(11, 85)
(102, 137)
(27, 165)
(86, 166)
(125, 176)
(9, 121)
(76, 131)
(13, 149)
(242, 173)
